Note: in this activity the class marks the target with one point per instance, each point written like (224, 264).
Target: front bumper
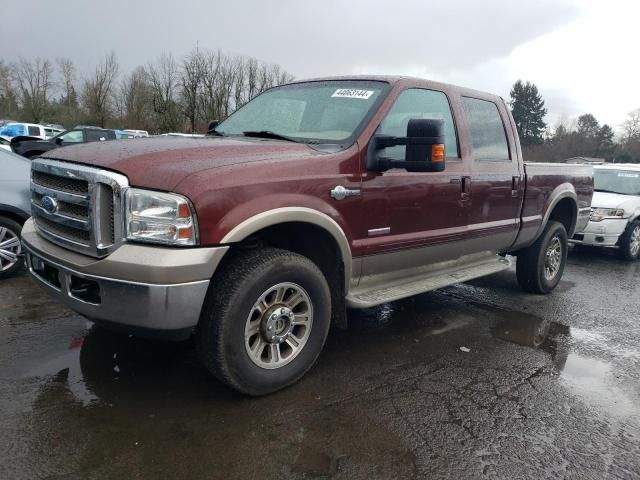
(141, 289)
(605, 233)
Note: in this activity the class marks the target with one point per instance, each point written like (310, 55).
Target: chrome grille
(84, 208)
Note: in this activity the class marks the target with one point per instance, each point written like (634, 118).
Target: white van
(615, 210)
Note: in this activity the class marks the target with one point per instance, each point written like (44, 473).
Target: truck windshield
(625, 182)
(313, 112)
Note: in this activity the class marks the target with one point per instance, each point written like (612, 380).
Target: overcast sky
(582, 54)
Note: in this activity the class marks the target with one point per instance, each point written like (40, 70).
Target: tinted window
(96, 136)
(486, 128)
(418, 103)
(34, 131)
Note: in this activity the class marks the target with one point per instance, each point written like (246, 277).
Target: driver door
(415, 218)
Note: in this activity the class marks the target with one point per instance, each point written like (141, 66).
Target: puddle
(592, 380)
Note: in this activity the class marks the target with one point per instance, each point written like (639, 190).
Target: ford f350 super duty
(315, 197)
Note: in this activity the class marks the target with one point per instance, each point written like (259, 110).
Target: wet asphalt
(478, 380)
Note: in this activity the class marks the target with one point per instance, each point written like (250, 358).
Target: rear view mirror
(425, 150)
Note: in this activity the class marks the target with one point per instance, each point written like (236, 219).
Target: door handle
(515, 186)
(465, 190)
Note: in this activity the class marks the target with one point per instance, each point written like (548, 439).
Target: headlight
(599, 214)
(157, 217)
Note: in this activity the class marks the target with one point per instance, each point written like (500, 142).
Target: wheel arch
(280, 217)
(562, 207)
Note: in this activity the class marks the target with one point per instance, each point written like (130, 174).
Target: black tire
(232, 298)
(627, 241)
(9, 227)
(530, 267)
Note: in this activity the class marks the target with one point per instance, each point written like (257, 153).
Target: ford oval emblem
(49, 204)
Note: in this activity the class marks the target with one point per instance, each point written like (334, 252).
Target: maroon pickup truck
(315, 197)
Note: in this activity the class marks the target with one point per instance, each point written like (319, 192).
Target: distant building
(586, 160)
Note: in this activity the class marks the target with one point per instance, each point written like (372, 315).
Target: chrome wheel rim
(553, 259)
(10, 248)
(278, 326)
(634, 241)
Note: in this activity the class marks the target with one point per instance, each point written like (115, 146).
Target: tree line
(581, 137)
(168, 94)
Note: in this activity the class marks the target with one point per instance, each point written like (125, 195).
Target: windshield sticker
(628, 175)
(352, 93)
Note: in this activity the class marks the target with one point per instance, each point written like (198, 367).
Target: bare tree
(164, 79)
(631, 126)
(8, 97)
(98, 90)
(191, 78)
(134, 100)
(34, 81)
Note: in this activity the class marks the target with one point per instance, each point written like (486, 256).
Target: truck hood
(162, 162)
(628, 203)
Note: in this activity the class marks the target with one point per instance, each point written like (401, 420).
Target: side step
(378, 293)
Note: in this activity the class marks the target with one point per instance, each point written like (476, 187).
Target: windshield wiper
(607, 191)
(268, 134)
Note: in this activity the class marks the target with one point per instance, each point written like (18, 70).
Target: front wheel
(630, 241)
(540, 266)
(265, 320)
(10, 248)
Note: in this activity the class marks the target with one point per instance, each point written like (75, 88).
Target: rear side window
(418, 103)
(34, 131)
(96, 136)
(488, 137)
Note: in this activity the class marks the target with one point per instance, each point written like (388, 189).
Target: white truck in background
(615, 210)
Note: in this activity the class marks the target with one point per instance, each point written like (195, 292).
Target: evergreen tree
(528, 111)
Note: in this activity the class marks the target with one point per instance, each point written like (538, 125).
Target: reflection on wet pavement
(544, 387)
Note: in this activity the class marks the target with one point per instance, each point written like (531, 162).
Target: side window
(73, 136)
(96, 136)
(418, 103)
(488, 137)
(34, 131)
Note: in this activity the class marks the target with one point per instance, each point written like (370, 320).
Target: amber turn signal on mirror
(437, 152)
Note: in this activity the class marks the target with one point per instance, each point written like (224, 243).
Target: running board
(377, 294)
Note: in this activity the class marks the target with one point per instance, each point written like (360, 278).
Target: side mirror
(425, 151)
(58, 141)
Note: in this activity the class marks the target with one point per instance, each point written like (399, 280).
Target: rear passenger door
(496, 187)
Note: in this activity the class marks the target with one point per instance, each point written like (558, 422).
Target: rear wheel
(630, 241)
(265, 320)
(540, 266)
(10, 247)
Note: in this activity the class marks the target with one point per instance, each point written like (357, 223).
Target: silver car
(15, 206)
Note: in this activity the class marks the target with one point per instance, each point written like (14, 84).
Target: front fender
(250, 218)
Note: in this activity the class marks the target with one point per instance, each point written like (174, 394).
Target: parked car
(34, 148)
(31, 130)
(51, 131)
(137, 133)
(313, 197)
(615, 210)
(14, 210)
